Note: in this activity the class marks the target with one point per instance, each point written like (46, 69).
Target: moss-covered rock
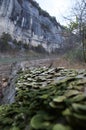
(47, 99)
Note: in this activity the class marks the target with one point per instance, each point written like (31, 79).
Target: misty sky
(57, 8)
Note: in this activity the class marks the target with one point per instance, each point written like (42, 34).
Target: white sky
(57, 8)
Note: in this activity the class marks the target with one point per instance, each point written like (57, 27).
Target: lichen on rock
(46, 99)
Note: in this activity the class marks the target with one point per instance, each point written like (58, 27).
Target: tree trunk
(84, 43)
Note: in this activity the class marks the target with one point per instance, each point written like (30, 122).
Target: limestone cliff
(26, 21)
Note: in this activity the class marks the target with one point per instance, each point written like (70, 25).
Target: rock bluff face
(26, 21)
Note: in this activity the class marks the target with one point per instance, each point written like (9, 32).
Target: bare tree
(77, 23)
(79, 11)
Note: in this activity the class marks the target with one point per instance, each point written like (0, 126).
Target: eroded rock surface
(27, 22)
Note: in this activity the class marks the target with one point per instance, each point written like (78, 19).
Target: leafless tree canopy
(79, 12)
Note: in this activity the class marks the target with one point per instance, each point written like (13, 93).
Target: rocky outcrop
(26, 21)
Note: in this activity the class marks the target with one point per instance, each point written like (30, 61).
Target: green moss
(14, 128)
(61, 127)
(43, 101)
(39, 121)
